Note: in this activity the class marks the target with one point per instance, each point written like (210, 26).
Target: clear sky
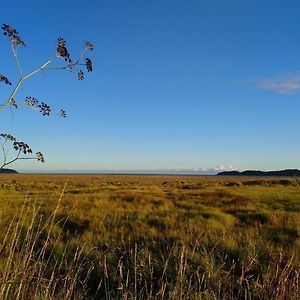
(176, 84)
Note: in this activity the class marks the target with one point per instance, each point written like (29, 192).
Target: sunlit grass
(149, 237)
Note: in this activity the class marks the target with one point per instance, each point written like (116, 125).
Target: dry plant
(61, 60)
(21, 149)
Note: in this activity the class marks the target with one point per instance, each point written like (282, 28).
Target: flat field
(149, 237)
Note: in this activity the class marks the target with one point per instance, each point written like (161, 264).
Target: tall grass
(157, 238)
(31, 269)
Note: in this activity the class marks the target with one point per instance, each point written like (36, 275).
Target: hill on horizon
(280, 173)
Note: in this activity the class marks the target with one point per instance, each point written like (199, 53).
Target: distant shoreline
(153, 174)
(246, 173)
(121, 174)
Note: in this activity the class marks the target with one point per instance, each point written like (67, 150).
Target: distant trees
(61, 60)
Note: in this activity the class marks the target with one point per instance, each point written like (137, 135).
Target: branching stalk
(15, 159)
(62, 54)
(41, 68)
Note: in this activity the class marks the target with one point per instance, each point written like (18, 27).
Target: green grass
(149, 237)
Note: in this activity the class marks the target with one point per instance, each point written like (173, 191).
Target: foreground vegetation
(149, 237)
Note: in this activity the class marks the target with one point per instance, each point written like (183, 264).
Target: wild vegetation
(149, 237)
(61, 60)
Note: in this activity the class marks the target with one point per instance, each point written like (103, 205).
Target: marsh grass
(150, 237)
(30, 269)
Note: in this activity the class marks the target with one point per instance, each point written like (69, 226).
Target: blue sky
(176, 84)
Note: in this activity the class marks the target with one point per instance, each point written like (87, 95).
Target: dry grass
(149, 237)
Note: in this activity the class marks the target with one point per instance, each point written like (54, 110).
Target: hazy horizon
(176, 171)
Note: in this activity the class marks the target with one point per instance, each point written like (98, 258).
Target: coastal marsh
(149, 237)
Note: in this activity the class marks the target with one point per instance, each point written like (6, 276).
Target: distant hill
(281, 173)
(8, 171)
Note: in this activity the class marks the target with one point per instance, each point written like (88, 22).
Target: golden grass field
(149, 237)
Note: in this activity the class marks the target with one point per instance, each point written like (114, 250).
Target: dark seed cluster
(9, 31)
(62, 50)
(12, 34)
(4, 79)
(44, 109)
(80, 75)
(18, 41)
(30, 101)
(89, 64)
(62, 113)
(22, 147)
(13, 103)
(7, 136)
(40, 157)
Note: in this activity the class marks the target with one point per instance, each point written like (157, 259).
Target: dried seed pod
(89, 64)
(62, 50)
(62, 113)
(44, 109)
(4, 79)
(40, 157)
(30, 101)
(89, 46)
(80, 75)
(13, 34)
(8, 137)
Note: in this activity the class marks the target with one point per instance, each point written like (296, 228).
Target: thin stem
(33, 108)
(24, 78)
(41, 68)
(16, 58)
(81, 55)
(15, 159)
(59, 68)
(12, 94)
(65, 67)
(7, 163)
(72, 64)
(4, 152)
(26, 105)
